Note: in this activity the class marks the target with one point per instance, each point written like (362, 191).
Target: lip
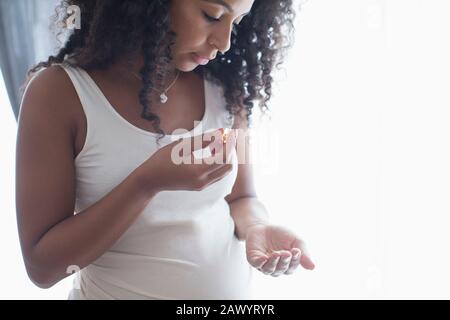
(199, 59)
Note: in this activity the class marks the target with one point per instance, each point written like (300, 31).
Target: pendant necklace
(163, 96)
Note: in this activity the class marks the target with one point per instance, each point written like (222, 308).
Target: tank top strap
(87, 92)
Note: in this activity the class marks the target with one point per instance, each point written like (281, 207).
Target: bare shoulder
(51, 95)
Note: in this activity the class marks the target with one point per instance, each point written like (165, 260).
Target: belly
(197, 258)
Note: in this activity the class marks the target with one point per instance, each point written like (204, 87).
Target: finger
(193, 149)
(211, 137)
(295, 261)
(221, 149)
(306, 262)
(226, 143)
(305, 258)
(219, 174)
(221, 154)
(199, 142)
(217, 153)
(207, 168)
(258, 261)
(216, 137)
(270, 265)
(283, 264)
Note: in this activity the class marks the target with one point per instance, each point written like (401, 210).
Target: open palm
(276, 250)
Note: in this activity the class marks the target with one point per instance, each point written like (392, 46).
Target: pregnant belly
(125, 276)
(197, 258)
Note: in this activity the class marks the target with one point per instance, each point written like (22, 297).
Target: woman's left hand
(275, 250)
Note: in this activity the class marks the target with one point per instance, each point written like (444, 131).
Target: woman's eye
(209, 18)
(212, 19)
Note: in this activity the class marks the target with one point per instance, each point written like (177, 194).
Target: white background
(361, 113)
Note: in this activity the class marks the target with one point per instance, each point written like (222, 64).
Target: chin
(187, 66)
(186, 63)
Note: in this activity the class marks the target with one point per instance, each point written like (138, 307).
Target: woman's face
(198, 34)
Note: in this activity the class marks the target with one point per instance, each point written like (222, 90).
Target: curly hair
(112, 28)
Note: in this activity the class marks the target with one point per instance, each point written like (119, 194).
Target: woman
(98, 187)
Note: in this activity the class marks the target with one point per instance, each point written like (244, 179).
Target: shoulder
(50, 95)
(48, 82)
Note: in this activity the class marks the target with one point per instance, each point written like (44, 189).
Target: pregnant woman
(100, 188)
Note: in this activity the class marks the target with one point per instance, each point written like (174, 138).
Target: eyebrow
(224, 4)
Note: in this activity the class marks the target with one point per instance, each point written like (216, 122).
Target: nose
(223, 37)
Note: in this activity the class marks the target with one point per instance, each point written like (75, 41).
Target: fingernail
(276, 274)
(297, 255)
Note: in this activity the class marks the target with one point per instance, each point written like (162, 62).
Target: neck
(129, 66)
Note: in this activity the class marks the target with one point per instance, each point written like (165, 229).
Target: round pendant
(163, 98)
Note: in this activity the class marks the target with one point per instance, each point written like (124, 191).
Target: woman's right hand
(170, 168)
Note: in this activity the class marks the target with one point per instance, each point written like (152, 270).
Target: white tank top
(182, 246)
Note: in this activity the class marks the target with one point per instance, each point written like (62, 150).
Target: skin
(195, 33)
(50, 137)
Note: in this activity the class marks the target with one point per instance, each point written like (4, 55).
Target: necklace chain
(163, 96)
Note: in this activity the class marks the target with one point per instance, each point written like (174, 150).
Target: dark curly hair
(112, 28)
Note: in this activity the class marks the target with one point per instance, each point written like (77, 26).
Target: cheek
(190, 26)
(189, 40)
(190, 30)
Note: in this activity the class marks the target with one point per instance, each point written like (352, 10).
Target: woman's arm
(246, 208)
(246, 212)
(52, 238)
